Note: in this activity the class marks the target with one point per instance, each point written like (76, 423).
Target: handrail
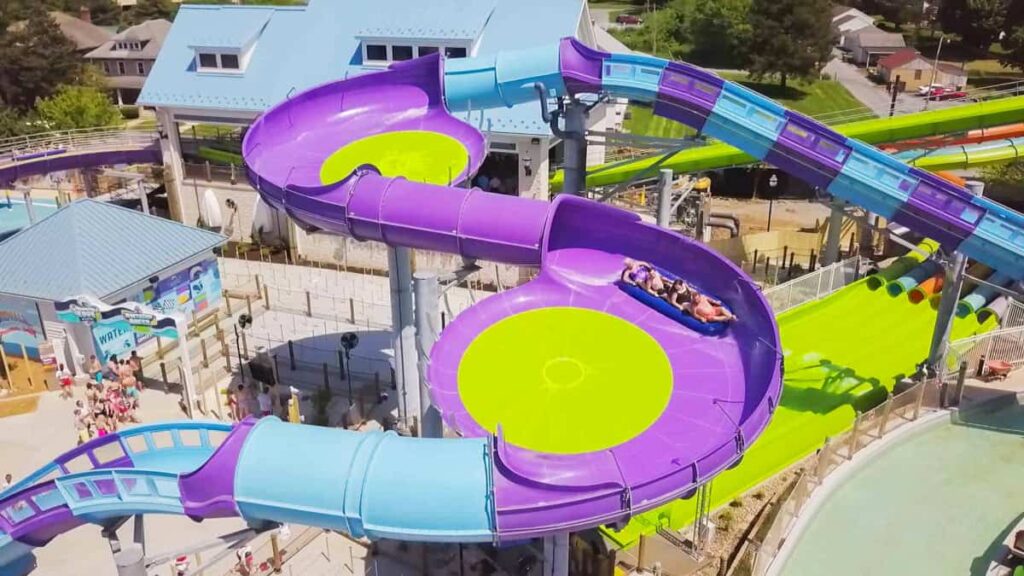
(11, 149)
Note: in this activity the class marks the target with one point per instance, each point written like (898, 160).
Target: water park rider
(642, 274)
(700, 306)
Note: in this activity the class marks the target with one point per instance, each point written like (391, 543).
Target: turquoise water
(15, 215)
(937, 503)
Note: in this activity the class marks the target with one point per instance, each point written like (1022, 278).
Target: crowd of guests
(678, 293)
(111, 397)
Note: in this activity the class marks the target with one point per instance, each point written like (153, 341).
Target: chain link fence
(813, 286)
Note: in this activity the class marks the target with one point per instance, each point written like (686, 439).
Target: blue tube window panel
(745, 120)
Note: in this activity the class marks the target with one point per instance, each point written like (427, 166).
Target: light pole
(349, 340)
(244, 321)
(772, 183)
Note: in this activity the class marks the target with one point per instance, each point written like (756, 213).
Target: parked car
(924, 90)
(947, 94)
(628, 19)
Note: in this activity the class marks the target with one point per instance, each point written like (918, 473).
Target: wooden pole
(6, 367)
(28, 367)
(275, 548)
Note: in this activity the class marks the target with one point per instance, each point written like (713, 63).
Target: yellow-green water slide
(843, 352)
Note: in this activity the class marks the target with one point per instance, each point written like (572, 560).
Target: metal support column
(575, 148)
(835, 232)
(951, 288)
(30, 210)
(143, 197)
(664, 198)
(556, 555)
(188, 383)
(561, 554)
(427, 296)
(130, 560)
(403, 335)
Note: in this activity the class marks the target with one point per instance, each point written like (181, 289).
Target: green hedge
(130, 112)
(229, 146)
(215, 156)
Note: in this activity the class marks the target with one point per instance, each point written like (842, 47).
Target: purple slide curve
(725, 388)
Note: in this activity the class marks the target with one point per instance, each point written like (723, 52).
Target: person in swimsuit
(701, 307)
(642, 274)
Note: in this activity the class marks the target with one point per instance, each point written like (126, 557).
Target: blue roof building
(227, 64)
(114, 254)
(99, 249)
(276, 51)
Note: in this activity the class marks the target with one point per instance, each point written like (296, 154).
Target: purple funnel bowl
(286, 147)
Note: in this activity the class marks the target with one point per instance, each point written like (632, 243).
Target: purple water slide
(725, 388)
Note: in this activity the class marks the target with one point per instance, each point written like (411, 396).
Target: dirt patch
(786, 214)
(18, 405)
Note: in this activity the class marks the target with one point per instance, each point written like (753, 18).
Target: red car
(946, 94)
(628, 19)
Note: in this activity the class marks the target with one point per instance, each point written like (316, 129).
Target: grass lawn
(812, 98)
(642, 121)
(989, 72)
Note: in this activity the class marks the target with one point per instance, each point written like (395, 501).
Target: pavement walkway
(873, 95)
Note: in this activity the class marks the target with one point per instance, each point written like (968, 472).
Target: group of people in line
(678, 293)
(240, 401)
(111, 397)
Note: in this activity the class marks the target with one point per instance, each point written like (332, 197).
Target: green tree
(977, 22)
(1013, 41)
(12, 123)
(103, 12)
(898, 12)
(34, 60)
(720, 32)
(77, 107)
(789, 38)
(153, 10)
(661, 34)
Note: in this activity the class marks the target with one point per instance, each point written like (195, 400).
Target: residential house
(915, 70)
(85, 35)
(127, 58)
(870, 43)
(227, 64)
(846, 20)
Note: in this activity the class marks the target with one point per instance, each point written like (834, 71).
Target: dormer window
(376, 53)
(128, 45)
(382, 52)
(207, 60)
(224, 61)
(229, 61)
(399, 53)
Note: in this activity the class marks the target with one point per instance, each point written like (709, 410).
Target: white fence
(813, 286)
(761, 546)
(1006, 344)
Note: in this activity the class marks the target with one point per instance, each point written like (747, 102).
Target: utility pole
(935, 69)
